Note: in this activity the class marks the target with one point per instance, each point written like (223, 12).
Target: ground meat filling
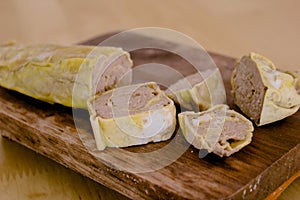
(249, 90)
(123, 102)
(113, 74)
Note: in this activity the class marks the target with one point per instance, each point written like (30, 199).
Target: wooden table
(251, 173)
(232, 28)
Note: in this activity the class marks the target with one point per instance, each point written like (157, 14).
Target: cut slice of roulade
(262, 92)
(218, 130)
(199, 91)
(132, 115)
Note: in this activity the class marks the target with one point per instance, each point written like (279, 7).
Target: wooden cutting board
(253, 173)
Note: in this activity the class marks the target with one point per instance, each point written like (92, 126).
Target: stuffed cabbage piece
(199, 91)
(296, 76)
(262, 92)
(51, 73)
(218, 130)
(132, 115)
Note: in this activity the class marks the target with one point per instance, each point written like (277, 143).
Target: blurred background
(232, 27)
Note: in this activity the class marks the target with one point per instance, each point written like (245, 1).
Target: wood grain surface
(253, 173)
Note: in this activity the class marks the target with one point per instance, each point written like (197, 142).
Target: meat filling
(129, 100)
(116, 73)
(248, 88)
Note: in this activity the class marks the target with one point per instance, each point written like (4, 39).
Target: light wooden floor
(231, 27)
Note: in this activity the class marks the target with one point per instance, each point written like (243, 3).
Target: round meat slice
(218, 130)
(263, 93)
(199, 91)
(132, 115)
